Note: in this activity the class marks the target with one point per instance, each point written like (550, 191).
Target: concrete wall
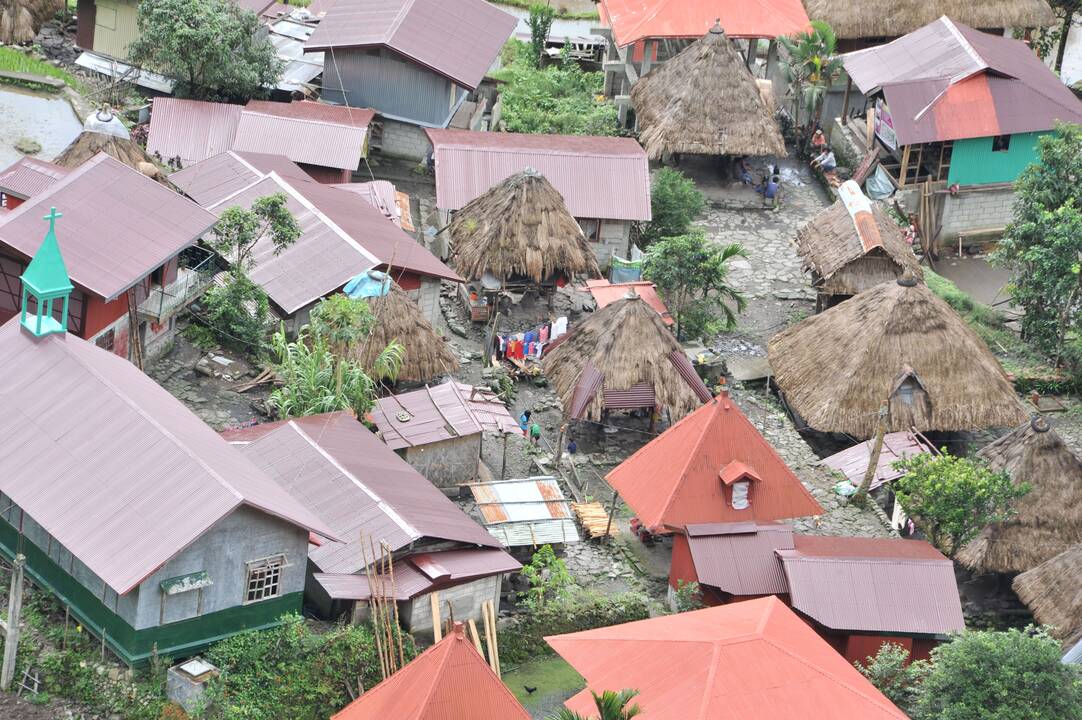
(403, 140)
(975, 211)
(448, 463)
(613, 239)
(427, 298)
(465, 599)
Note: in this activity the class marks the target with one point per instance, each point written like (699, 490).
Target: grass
(561, 12)
(554, 679)
(12, 60)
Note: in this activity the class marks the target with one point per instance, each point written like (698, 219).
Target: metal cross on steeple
(52, 217)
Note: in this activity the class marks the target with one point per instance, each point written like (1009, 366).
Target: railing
(164, 302)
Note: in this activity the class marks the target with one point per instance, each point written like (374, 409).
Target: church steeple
(46, 280)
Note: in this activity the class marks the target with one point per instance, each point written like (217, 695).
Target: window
(106, 340)
(740, 495)
(264, 579)
(591, 228)
(1001, 143)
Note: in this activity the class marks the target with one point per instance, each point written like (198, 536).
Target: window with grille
(264, 579)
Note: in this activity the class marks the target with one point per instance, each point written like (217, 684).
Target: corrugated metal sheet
(687, 372)
(606, 293)
(218, 177)
(853, 462)
(532, 511)
(637, 396)
(459, 39)
(738, 558)
(332, 464)
(380, 194)
(753, 660)
(113, 466)
(439, 413)
(28, 176)
(346, 586)
(599, 177)
(305, 141)
(589, 383)
(464, 564)
(190, 129)
(118, 225)
(634, 20)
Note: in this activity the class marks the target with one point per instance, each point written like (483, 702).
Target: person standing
(524, 422)
(535, 434)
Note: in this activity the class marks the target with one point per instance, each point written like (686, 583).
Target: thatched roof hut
(103, 132)
(427, 355)
(1053, 591)
(1049, 517)
(520, 228)
(20, 20)
(893, 18)
(900, 343)
(704, 101)
(623, 357)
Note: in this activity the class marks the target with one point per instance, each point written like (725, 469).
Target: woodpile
(20, 20)
(594, 519)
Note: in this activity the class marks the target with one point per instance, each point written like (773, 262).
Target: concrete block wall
(612, 239)
(466, 600)
(448, 463)
(427, 298)
(976, 210)
(403, 140)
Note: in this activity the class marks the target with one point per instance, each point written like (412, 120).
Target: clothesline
(530, 343)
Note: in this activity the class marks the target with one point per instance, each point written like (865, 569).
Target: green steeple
(46, 279)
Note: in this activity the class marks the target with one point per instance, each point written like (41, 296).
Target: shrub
(675, 202)
(236, 314)
(892, 673)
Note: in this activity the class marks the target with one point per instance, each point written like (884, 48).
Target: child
(535, 434)
(524, 422)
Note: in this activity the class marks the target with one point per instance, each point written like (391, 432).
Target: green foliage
(559, 99)
(894, 676)
(577, 609)
(540, 22)
(562, 11)
(688, 596)
(292, 672)
(953, 498)
(548, 578)
(14, 60)
(236, 315)
(342, 321)
(610, 706)
(212, 48)
(675, 202)
(811, 67)
(1009, 675)
(690, 273)
(238, 230)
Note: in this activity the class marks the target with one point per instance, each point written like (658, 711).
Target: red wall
(10, 202)
(100, 314)
(326, 175)
(682, 566)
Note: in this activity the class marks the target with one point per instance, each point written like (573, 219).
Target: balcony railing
(164, 302)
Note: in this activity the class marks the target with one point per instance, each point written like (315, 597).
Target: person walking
(535, 434)
(524, 422)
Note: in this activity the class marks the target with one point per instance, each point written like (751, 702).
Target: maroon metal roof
(687, 372)
(738, 558)
(380, 194)
(599, 177)
(28, 176)
(333, 465)
(443, 412)
(317, 111)
(459, 39)
(218, 177)
(115, 468)
(118, 225)
(590, 382)
(315, 142)
(192, 130)
(853, 462)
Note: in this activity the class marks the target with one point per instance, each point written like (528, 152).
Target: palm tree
(610, 706)
(811, 68)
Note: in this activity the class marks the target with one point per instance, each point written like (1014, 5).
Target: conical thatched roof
(20, 20)
(427, 354)
(629, 344)
(1049, 517)
(1053, 591)
(897, 341)
(520, 228)
(90, 143)
(853, 19)
(704, 102)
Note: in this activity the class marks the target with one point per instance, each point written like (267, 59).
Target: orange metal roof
(606, 293)
(754, 660)
(633, 20)
(449, 681)
(674, 479)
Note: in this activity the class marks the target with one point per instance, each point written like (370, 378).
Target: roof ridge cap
(964, 43)
(396, 24)
(434, 681)
(314, 121)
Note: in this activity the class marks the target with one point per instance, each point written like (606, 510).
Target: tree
(212, 48)
(540, 22)
(342, 321)
(675, 202)
(236, 314)
(1065, 10)
(954, 498)
(1042, 245)
(894, 676)
(610, 706)
(690, 273)
(239, 230)
(1009, 675)
(547, 576)
(810, 68)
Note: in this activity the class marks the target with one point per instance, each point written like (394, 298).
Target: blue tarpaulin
(371, 283)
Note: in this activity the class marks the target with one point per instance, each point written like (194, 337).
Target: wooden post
(903, 171)
(559, 446)
(753, 45)
(475, 637)
(437, 631)
(11, 635)
(503, 464)
(771, 57)
(861, 496)
(869, 117)
(490, 631)
(845, 100)
(612, 509)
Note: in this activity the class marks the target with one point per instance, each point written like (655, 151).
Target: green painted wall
(974, 163)
(179, 639)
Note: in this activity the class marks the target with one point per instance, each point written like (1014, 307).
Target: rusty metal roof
(380, 194)
(28, 176)
(598, 177)
(606, 293)
(433, 414)
(635, 20)
(459, 39)
(336, 467)
(531, 511)
(118, 225)
(853, 462)
(113, 466)
(738, 558)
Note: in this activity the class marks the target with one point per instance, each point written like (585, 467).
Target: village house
(439, 430)
(858, 593)
(25, 178)
(757, 656)
(122, 500)
(370, 497)
(605, 293)
(526, 513)
(604, 181)
(414, 62)
(126, 233)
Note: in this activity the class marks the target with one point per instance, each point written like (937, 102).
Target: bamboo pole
(385, 625)
(475, 637)
(394, 599)
(489, 632)
(372, 609)
(437, 631)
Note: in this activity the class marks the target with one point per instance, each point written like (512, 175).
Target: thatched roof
(427, 355)
(704, 101)
(830, 247)
(520, 228)
(1049, 517)
(20, 20)
(1053, 591)
(629, 344)
(898, 342)
(90, 143)
(893, 18)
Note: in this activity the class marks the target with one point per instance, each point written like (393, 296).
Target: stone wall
(403, 140)
(612, 240)
(975, 210)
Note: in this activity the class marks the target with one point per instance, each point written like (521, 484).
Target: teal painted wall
(974, 163)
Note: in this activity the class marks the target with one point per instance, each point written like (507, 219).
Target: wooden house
(25, 178)
(414, 62)
(122, 500)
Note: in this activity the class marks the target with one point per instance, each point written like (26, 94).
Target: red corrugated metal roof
(459, 39)
(315, 142)
(28, 176)
(634, 20)
(738, 558)
(318, 111)
(113, 466)
(443, 412)
(673, 480)
(599, 177)
(753, 660)
(118, 225)
(853, 462)
(606, 293)
(449, 681)
(192, 130)
(336, 467)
